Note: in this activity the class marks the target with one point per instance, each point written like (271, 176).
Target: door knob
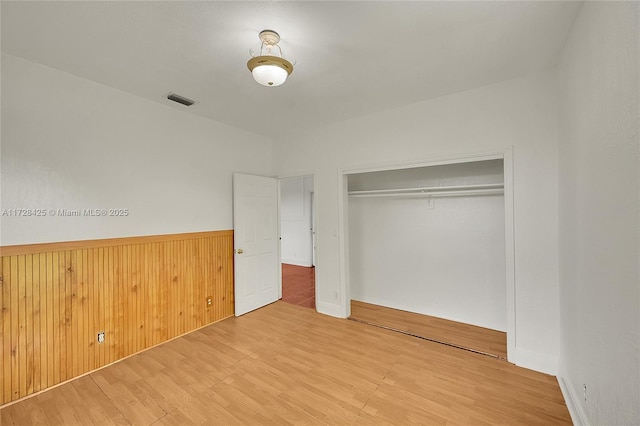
(239, 251)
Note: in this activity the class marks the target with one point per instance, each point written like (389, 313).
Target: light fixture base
(269, 37)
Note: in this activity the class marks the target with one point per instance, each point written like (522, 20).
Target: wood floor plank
(134, 404)
(285, 364)
(465, 335)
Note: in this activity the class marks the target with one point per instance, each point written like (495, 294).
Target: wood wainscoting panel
(139, 291)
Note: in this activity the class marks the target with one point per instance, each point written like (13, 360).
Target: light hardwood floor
(285, 364)
(481, 339)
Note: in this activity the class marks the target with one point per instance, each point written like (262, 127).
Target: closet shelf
(434, 191)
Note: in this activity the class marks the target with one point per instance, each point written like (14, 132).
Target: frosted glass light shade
(269, 75)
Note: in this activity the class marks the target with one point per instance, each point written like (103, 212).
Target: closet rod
(434, 194)
(431, 190)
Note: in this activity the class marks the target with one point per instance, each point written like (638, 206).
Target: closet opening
(297, 240)
(428, 252)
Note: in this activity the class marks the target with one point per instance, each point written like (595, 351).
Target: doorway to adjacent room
(297, 240)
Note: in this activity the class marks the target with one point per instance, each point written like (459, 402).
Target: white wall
(69, 143)
(519, 113)
(599, 214)
(447, 262)
(444, 258)
(295, 220)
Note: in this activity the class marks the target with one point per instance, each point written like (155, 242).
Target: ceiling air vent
(180, 99)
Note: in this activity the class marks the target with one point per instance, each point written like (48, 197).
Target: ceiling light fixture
(270, 68)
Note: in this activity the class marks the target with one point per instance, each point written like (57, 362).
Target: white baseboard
(330, 309)
(415, 310)
(534, 361)
(296, 262)
(572, 400)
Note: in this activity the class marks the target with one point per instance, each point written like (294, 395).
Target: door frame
(499, 154)
(314, 216)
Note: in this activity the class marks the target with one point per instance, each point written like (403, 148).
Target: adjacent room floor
(299, 285)
(284, 364)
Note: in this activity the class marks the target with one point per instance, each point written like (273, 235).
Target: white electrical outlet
(584, 388)
(101, 337)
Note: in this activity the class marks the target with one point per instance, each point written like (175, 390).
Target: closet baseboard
(534, 361)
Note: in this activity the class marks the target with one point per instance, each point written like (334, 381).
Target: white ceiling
(352, 58)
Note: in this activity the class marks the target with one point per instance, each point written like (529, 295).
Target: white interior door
(255, 225)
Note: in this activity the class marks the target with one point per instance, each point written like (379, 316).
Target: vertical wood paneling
(162, 294)
(85, 318)
(184, 311)
(35, 306)
(139, 325)
(57, 289)
(68, 310)
(110, 308)
(100, 321)
(54, 303)
(49, 315)
(22, 329)
(3, 319)
(72, 308)
(42, 261)
(118, 302)
(147, 296)
(62, 315)
(154, 321)
(28, 324)
(125, 298)
(208, 248)
(15, 326)
(6, 329)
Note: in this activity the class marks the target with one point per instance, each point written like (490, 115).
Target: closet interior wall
(431, 240)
